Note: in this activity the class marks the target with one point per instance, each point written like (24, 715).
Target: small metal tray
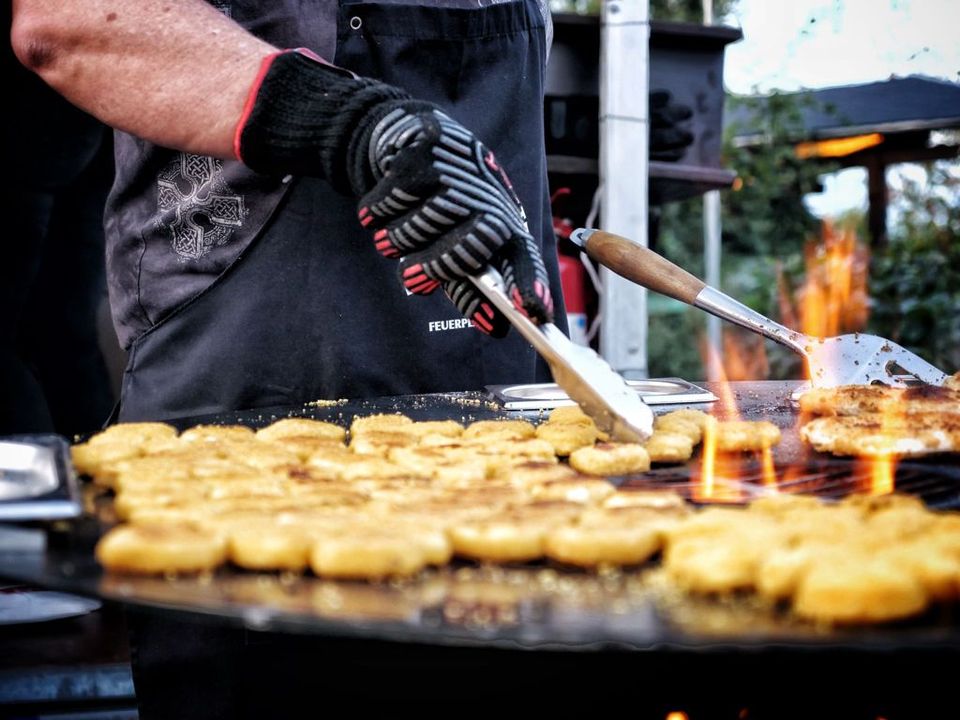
(545, 396)
(37, 481)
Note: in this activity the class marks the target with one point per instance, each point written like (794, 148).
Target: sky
(819, 43)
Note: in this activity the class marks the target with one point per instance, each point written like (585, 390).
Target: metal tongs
(854, 359)
(602, 393)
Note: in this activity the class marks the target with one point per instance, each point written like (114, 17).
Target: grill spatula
(854, 359)
(589, 380)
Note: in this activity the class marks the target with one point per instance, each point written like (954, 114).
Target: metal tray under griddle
(538, 606)
(37, 481)
(546, 396)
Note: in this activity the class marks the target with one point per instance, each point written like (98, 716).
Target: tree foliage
(764, 227)
(915, 278)
(773, 248)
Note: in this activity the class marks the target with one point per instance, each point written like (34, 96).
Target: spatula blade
(858, 359)
(587, 378)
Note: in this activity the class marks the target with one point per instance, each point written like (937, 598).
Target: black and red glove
(431, 193)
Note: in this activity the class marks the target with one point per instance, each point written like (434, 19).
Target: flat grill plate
(527, 607)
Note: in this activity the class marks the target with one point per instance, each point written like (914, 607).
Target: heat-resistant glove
(443, 203)
(668, 139)
(431, 193)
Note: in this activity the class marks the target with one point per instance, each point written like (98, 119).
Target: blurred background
(841, 126)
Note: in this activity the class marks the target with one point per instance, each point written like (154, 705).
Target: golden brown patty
(378, 422)
(366, 554)
(669, 447)
(880, 399)
(380, 442)
(685, 422)
(907, 436)
(94, 459)
(500, 430)
(568, 414)
(611, 459)
(156, 548)
(567, 437)
(301, 427)
(849, 588)
(136, 434)
(746, 435)
(584, 489)
(217, 433)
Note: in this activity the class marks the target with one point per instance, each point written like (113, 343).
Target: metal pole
(624, 129)
(711, 252)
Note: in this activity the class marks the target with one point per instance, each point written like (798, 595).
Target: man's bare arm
(175, 72)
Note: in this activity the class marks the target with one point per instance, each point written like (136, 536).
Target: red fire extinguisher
(573, 277)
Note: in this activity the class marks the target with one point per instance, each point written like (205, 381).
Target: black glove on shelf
(668, 141)
(431, 193)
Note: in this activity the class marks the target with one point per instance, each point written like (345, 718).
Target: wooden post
(877, 198)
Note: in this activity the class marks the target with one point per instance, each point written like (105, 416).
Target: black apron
(310, 310)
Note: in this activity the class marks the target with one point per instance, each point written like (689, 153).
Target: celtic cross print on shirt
(197, 206)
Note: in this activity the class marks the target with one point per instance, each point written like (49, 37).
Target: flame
(705, 489)
(719, 474)
(676, 715)
(726, 405)
(831, 300)
(833, 297)
(882, 472)
(882, 468)
(744, 356)
(769, 470)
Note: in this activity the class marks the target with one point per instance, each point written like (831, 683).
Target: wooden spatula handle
(643, 266)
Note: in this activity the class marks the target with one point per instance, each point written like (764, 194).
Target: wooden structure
(875, 125)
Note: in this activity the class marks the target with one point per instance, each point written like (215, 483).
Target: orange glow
(833, 297)
(744, 355)
(882, 468)
(720, 474)
(790, 475)
(769, 470)
(676, 715)
(882, 471)
(837, 147)
(726, 405)
(705, 489)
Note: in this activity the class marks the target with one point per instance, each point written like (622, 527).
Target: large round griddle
(536, 606)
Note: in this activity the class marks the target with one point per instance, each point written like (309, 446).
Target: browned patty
(880, 399)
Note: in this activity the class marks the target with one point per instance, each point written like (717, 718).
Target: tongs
(854, 359)
(589, 380)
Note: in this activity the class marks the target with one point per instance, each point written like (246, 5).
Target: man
(233, 285)
(263, 199)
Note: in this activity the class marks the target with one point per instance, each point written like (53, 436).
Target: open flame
(882, 472)
(719, 473)
(832, 300)
(880, 469)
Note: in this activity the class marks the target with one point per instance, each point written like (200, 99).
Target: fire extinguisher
(573, 279)
(573, 276)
